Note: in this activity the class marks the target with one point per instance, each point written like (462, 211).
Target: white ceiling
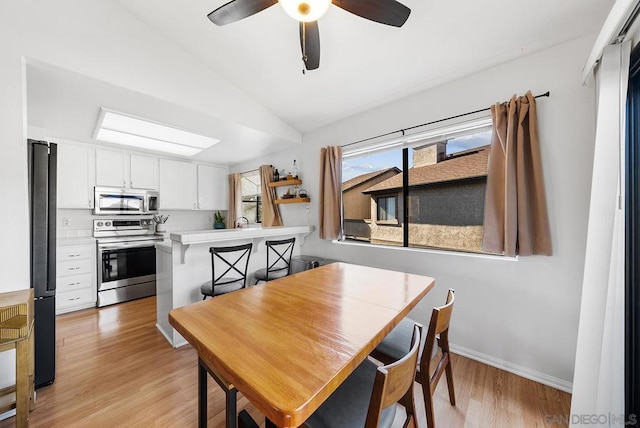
(363, 64)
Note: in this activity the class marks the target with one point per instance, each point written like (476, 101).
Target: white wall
(521, 315)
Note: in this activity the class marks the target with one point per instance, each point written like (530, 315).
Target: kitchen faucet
(239, 223)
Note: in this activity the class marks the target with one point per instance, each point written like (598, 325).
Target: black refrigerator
(42, 172)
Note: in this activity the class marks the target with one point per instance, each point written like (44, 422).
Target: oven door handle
(123, 245)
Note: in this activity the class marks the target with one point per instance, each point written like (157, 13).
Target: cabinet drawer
(82, 296)
(74, 252)
(74, 282)
(74, 267)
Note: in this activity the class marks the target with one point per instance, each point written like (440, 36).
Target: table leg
(232, 395)
(202, 395)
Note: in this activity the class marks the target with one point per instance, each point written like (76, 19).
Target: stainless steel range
(126, 259)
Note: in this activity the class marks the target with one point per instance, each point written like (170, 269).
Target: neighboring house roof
(462, 165)
(356, 181)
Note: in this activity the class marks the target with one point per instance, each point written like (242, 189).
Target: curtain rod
(546, 94)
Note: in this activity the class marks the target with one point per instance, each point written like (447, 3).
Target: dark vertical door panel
(52, 218)
(39, 187)
(45, 341)
(632, 233)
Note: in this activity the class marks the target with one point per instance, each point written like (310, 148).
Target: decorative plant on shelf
(218, 221)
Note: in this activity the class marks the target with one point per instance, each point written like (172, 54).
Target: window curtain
(235, 199)
(331, 213)
(598, 384)
(515, 216)
(270, 211)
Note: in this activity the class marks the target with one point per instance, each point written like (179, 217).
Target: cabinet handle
(74, 298)
(194, 205)
(74, 268)
(74, 255)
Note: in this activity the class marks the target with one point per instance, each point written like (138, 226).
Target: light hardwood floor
(114, 369)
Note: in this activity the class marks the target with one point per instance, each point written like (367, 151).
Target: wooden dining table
(288, 344)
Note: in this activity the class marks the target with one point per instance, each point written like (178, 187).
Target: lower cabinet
(75, 277)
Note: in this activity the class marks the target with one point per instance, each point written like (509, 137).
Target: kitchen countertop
(216, 235)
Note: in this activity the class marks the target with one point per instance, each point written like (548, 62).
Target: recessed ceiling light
(120, 128)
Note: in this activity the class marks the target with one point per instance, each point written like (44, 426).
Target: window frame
(393, 220)
(477, 124)
(258, 196)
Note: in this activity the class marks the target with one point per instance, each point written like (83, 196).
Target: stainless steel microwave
(114, 201)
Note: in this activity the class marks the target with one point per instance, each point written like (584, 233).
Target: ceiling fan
(307, 12)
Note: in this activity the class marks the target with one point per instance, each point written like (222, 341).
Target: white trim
(6, 415)
(516, 369)
(429, 250)
(438, 131)
(615, 22)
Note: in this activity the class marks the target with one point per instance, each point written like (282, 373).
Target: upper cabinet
(144, 172)
(131, 171)
(178, 185)
(75, 176)
(212, 188)
(189, 186)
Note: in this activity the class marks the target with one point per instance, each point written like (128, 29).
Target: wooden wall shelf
(293, 201)
(294, 182)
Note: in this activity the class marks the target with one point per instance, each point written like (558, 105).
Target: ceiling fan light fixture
(305, 10)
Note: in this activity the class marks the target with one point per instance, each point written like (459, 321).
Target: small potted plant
(218, 221)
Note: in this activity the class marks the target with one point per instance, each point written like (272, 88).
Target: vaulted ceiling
(363, 64)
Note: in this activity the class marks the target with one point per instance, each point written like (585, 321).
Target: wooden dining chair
(368, 397)
(399, 339)
(228, 270)
(278, 260)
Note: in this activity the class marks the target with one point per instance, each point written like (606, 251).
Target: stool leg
(22, 383)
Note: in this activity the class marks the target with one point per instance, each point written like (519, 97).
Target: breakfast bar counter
(183, 263)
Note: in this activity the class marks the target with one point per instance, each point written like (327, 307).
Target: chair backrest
(394, 383)
(279, 255)
(438, 326)
(229, 264)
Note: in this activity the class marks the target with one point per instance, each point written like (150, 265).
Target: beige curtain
(331, 193)
(270, 211)
(235, 199)
(515, 215)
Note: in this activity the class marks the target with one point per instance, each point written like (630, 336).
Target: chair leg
(448, 371)
(449, 374)
(409, 403)
(428, 405)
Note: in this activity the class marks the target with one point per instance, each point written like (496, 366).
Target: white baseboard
(179, 340)
(7, 415)
(525, 372)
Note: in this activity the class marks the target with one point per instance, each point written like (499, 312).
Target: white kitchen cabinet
(212, 188)
(75, 276)
(76, 166)
(110, 168)
(178, 185)
(143, 172)
(130, 171)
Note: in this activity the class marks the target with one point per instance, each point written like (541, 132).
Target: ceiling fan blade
(236, 10)
(310, 44)
(388, 12)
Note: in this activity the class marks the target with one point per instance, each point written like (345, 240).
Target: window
(251, 196)
(386, 208)
(442, 206)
